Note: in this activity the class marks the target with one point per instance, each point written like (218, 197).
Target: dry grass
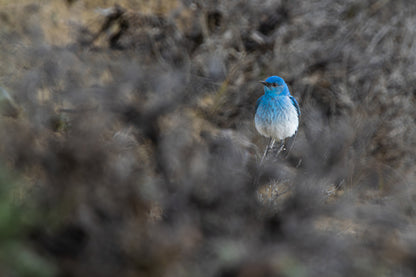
(128, 146)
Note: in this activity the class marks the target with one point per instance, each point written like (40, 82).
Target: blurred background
(128, 147)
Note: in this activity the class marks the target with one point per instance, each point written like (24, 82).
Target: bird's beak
(263, 82)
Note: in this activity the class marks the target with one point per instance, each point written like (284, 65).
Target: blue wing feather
(295, 103)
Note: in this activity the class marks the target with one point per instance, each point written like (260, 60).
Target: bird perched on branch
(277, 113)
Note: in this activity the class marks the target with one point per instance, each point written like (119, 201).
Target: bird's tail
(292, 143)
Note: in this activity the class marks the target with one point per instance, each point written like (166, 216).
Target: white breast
(277, 121)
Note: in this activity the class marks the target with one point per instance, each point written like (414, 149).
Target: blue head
(275, 85)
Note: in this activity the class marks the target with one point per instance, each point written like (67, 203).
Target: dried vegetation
(128, 146)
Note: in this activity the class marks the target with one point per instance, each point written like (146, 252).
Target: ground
(128, 146)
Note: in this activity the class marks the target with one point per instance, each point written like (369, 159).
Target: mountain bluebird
(277, 113)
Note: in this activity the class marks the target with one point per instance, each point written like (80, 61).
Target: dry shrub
(138, 155)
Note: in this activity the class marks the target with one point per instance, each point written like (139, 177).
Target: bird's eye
(274, 85)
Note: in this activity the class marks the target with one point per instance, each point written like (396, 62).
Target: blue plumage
(295, 103)
(277, 112)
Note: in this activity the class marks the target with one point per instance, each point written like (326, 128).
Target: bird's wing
(295, 103)
(258, 102)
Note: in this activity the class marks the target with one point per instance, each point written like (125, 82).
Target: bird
(277, 113)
